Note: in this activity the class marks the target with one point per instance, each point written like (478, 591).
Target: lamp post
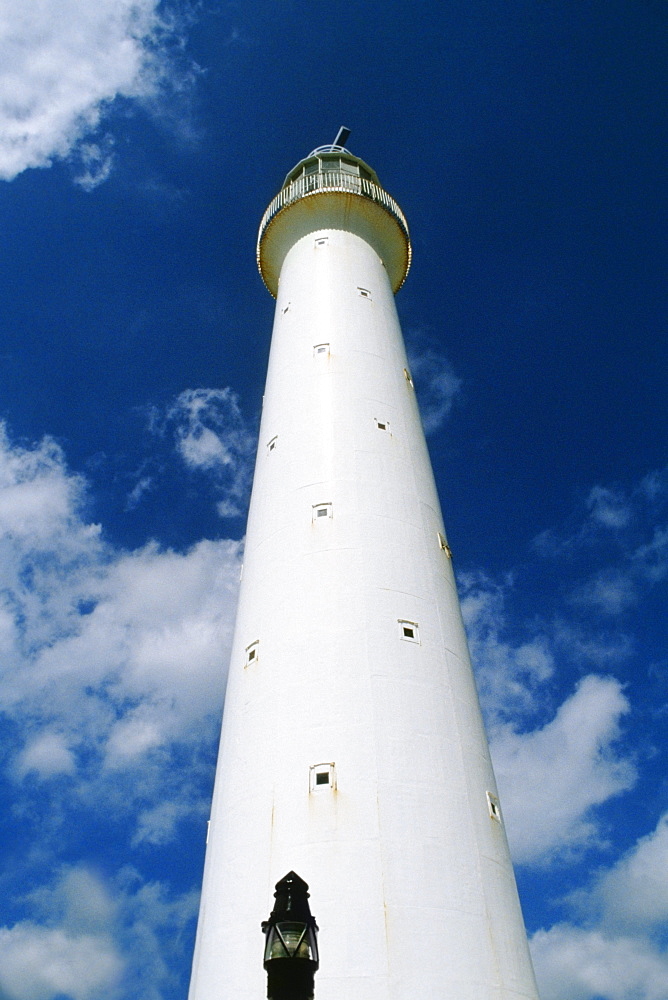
(291, 945)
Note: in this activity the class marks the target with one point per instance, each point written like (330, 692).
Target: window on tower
(494, 807)
(322, 777)
(382, 425)
(321, 349)
(272, 444)
(364, 292)
(408, 630)
(321, 511)
(252, 652)
(444, 545)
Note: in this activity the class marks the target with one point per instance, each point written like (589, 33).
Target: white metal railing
(330, 149)
(331, 180)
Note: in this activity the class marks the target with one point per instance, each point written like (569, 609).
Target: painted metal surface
(360, 669)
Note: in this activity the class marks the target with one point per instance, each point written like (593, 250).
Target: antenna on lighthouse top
(341, 136)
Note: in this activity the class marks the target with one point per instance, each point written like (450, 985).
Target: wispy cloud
(609, 591)
(650, 559)
(626, 532)
(436, 385)
(510, 674)
(62, 65)
(609, 507)
(212, 436)
(96, 161)
(587, 646)
(610, 516)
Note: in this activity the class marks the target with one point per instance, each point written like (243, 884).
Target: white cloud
(62, 63)
(613, 516)
(158, 825)
(96, 160)
(143, 486)
(551, 778)
(651, 559)
(91, 938)
(151, 916)
(616, 950)
(38, 963)
(633, 894)
(605, 650)
(77, 900)
(609, 591)
(654, 485)
(47, 755)
(36, 501)
(212, 436)
(509, 675)
(110, 660)
(609, 507)
(574, 963)
(145, 663)
(437, 388)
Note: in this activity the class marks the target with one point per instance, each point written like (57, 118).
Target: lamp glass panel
(294, 936)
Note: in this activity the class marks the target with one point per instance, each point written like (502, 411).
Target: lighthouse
(356, 840)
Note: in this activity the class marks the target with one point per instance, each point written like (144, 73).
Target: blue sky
(140, 143)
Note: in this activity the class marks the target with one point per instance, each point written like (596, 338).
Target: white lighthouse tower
(353, 751)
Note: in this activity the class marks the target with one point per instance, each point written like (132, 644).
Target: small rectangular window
(444, 545)
(252, 652)
(494, 807)
(322, 511)
(409, 630)
(364, 292)
(321, 349)
(321, 242)
(272, 444)
(285, 308)
(322, 777)
(407, 376)
(382, 425)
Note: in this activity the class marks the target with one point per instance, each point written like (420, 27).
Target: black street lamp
(291, 943)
